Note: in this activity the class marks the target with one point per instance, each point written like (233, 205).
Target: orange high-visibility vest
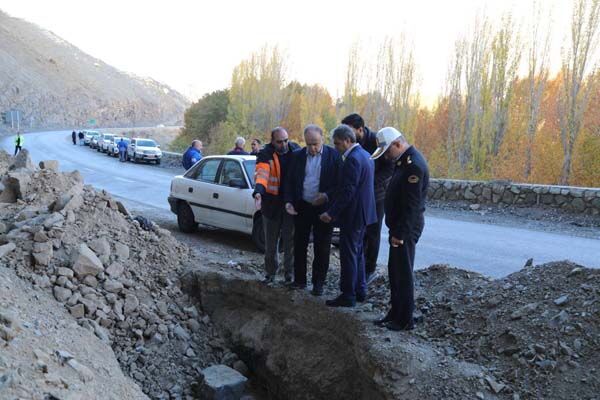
(269, 175)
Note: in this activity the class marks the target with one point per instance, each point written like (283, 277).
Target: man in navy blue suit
(353, 208)
(309, 189)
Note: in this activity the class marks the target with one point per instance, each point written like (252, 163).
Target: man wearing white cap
(404, 207)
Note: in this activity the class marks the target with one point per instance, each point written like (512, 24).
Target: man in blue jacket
(122, 146)
(309, 188)
(354, 209)
(192, 155)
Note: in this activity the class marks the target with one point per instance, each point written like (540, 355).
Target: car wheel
(258, 233)
(185, 218)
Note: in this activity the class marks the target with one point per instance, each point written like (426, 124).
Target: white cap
(385, 137)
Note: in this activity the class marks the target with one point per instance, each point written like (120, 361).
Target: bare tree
(454, 94)
(506, 57)
(537, 67)
(575, 68)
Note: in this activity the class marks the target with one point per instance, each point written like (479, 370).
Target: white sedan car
(217, 191)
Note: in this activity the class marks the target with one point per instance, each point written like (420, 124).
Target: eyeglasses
(281, 141)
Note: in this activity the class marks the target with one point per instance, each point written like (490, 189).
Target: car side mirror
(158, 145)
(237, 183)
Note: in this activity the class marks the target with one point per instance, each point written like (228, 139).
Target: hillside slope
(54, 84)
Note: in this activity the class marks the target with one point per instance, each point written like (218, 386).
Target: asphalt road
(492, 250)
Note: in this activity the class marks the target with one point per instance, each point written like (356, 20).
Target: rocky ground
(536, 332)
(116, 275)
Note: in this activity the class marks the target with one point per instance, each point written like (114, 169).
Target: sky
(193, 45)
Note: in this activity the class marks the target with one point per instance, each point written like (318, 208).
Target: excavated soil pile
(537, 331)
(115, 274)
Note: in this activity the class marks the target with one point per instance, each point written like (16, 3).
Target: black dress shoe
(360, 298)
(317, 290)
(395, 326)
(341, 301)
(268, 279)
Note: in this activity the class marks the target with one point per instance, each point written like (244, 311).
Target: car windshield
(146, 143)
(249, 166)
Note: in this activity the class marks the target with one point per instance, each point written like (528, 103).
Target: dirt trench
(298, 349)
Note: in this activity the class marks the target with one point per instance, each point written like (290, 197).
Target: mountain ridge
(55, 84)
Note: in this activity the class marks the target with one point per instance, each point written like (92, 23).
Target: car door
(231, 202)
(201, 182)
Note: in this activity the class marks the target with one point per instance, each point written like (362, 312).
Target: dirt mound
(116, 275)
(537, 331)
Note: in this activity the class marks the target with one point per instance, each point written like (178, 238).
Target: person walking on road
(74, 138)
(122, 146)
(192, 155)
(238, 149)
(310, 187)
(272, 164)
(354, 209)
(404, 208)
(19, 141)
(383, 173)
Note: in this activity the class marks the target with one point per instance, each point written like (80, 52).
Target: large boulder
(16, 186)
(220, 382)
(49, 164)
(86, 262)
(22, 161)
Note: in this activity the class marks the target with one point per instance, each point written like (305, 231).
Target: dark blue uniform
(404, 207)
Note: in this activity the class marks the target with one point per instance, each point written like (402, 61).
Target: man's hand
(257, 201)
(396, 242)
(325, 218)
(320, 199)
(289, 207)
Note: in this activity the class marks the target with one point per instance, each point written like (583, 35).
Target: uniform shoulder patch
(413, 179)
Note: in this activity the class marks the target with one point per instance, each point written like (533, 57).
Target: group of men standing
(351, 185)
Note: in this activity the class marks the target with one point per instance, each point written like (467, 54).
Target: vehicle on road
(146, 150)
(88, 136)
(113, 147)
(217, 192)
(104, 141)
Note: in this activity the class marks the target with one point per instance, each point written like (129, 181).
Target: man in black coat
(310, 186)
(383, 172)
(404, 207)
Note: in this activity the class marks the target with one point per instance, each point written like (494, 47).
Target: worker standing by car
(122, 146)
(192, 155)
(81, 138)
(238, 148)
(271, 167)
(404, 207)
(74, 138)
(18, 143)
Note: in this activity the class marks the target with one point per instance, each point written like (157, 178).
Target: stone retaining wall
(171, 160)
(569, 198)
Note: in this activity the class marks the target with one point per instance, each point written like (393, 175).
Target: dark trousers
(74, 140)
(400, 270)
(372, 239)
(306, 221)
(352, 260)
(17, 149)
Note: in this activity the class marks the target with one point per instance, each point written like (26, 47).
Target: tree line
(500, 115)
